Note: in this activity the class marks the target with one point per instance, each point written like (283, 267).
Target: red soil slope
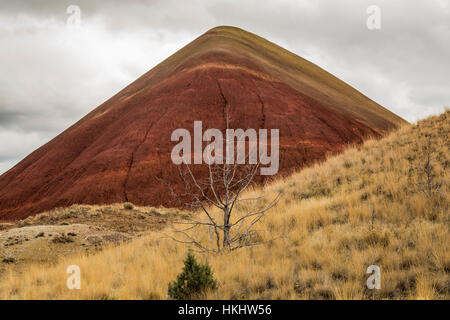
(121, 150)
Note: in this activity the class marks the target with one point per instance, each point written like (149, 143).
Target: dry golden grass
(319, 240)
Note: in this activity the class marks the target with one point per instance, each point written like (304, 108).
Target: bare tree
(428, 187)
(372, 221)
(229, 217)
(217, 194)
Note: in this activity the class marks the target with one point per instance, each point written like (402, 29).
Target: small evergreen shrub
(193, 281)
(128, 206)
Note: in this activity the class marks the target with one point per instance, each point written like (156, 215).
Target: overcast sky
(52, 74)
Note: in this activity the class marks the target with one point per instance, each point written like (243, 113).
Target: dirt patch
(127, 219)
(61, 232)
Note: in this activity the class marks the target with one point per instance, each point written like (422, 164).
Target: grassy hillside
(374, 204)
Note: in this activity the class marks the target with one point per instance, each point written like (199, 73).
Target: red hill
(121, 150)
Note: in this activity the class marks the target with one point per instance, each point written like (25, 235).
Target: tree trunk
(226, 228)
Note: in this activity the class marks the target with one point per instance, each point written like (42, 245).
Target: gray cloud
(51, 75)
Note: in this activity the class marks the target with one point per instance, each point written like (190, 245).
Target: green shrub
(193, 281)
(128, 206)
